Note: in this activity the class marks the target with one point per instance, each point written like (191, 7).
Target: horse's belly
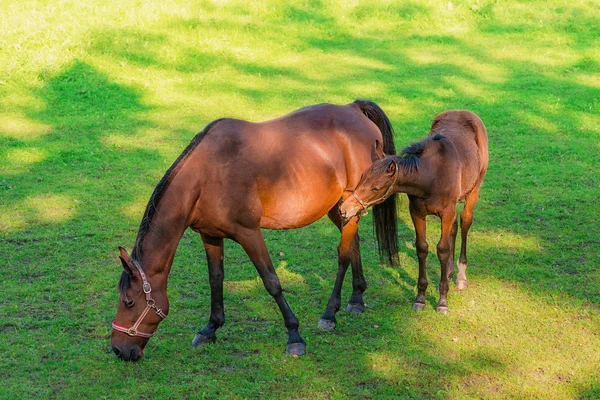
(290, 212)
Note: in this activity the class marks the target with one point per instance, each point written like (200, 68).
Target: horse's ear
(126, 261)
(391, 169)
(377, 151)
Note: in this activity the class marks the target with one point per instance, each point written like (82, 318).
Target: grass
(99, 99)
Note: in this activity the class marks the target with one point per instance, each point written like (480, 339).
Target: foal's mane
(146, 223)
(410, 157)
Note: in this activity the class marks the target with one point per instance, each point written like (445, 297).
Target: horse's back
(293, 169)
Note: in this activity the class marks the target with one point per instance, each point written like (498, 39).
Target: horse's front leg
(445, 250)
(254, 245)
(345, 257)
(214, 256)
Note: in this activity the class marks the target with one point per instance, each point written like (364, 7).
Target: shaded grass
(99, 99)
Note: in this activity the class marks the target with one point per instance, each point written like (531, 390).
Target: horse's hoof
(296, 349)
(355, 308)
(201, 339)
(461, 284)
(418, 306)
(442, 309)
(326, 325)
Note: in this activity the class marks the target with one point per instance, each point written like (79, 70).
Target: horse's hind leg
(356, 304)
(214, 256)
(254, 245)
(346, 255)
(466, 219)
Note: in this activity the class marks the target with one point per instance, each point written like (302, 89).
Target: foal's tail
(384, 215)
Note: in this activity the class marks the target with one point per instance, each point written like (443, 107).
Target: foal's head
(375, 186)
(141, 308)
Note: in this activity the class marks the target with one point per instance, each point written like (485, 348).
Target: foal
(436, 173)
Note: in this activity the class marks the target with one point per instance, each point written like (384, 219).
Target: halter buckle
(146, 287)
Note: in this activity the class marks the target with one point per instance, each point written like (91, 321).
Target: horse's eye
(128, 303)
(374, 190)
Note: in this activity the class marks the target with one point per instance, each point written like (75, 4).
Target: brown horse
(436, 173)
(237, 177)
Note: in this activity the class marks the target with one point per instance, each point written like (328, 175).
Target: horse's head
(375, 184)
(140, 310)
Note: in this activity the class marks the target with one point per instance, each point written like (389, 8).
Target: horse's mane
(410, 157)
(146, 223)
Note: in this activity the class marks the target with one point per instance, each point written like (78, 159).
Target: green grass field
(97, 100)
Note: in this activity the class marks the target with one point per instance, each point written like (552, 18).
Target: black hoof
(296, 349)
(442, 309)
(326, 325)
(201, 339)
(418, 306)
(355, 308)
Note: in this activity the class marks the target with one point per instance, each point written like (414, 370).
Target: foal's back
(467, 146)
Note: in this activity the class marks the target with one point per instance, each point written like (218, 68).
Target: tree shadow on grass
(67, 214)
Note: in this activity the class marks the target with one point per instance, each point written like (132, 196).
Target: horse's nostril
(117, 351)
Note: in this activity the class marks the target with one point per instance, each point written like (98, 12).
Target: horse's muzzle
(129, 353)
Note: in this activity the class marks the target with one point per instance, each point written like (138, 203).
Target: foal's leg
(214, 256)
(345, 257)
(422, 250)
(444, 249)
(254, 245)
(466, 219)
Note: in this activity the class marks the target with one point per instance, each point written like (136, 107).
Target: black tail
(385, 218)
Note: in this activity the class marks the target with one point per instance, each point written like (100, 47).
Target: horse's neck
(166, 229)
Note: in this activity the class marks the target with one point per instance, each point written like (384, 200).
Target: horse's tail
(385, 217)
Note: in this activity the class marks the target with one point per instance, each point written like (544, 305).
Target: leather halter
(367, 204)
(150, 304)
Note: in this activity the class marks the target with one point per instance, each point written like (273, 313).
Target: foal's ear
(126, 261)
(377, 151)
(391, 169)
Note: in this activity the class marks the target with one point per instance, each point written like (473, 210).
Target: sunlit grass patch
(24, 157)
(51, 208)
(18, 126)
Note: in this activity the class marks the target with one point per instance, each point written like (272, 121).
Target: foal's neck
(412, 182)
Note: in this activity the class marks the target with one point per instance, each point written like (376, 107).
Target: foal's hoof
(201, 339)
(418, 306)
(296, 349)
(326, 325)
(442, 309)
(461, 284)
(355, 308)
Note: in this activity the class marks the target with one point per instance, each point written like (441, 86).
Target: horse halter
(150, 304)
(367, 204)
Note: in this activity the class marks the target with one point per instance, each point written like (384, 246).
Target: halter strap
(367, 204)
(150, 304)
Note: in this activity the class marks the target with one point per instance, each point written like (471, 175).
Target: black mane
(146, 222)
(410, 157)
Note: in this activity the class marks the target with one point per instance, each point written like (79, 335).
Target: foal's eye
(128, 303)
(375, 189)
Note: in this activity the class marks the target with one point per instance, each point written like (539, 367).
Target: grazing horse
(237, 177)
(436, 173)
